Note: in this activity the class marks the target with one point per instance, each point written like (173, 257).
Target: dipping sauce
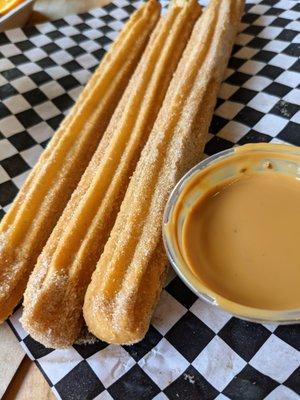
(243, 239)
(232, 231)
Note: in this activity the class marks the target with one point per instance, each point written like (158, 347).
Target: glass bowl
(284, 159)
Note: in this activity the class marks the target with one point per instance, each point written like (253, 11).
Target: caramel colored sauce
(242, 239)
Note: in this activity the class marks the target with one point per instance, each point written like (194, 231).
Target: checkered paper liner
(192, 350)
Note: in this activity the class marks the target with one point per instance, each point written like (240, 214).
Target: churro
(8, 5)
(130, 274)
(55, 293)
(29, 222)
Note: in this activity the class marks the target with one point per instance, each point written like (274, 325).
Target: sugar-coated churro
(55, 293)
(8, 5)
(27, 225)
(129, 276)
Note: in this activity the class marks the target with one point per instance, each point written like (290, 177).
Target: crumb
(86, 338)
(283, 108)
(190, 378)
(268, 165)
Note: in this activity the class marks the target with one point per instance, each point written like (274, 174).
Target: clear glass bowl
(284, 159)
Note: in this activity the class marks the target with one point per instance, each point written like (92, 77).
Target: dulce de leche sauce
(240, 234)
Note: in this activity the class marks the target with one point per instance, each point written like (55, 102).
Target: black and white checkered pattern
(192, 350)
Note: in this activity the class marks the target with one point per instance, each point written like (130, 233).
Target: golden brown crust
(55, 293)
(129, 276)
(26, 227)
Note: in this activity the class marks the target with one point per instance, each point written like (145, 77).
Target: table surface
(27, 382)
